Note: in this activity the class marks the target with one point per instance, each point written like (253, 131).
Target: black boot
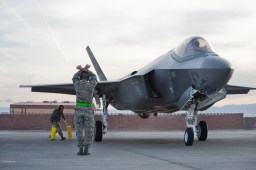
(80, 152)
(63, 138)
(86, 151)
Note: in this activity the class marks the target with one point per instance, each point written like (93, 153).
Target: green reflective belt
(83, 104)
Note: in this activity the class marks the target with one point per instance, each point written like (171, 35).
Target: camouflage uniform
(84, 114)
(55, 120)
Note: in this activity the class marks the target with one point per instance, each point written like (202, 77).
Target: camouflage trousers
(57, 125)
(84, 126)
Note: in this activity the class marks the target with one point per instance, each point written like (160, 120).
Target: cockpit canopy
(192, 46)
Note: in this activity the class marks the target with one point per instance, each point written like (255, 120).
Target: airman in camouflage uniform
(55, 120)
(84, 82)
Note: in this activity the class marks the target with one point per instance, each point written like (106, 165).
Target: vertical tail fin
(99, 71)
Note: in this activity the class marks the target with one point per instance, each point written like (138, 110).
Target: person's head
(84, 76)
(61, 107)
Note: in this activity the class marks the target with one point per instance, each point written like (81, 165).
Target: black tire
(189, 137)
(98, 131)
(202, 131)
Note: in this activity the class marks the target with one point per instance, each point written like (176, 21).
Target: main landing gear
(101, 127)
(200, 129)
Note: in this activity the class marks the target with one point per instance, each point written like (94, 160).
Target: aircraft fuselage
(158, 86)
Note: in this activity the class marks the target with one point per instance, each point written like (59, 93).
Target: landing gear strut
(105, 114)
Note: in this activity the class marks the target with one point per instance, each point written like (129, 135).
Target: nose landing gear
(200, 130)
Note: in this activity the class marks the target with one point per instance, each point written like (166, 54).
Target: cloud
(8, 100)
(14, 12)
(207, 22)
(7, 57)
(11, 43)
(42, 41)
(51, 32)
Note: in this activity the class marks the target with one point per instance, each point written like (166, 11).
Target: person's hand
(87, 66)
(79, 67)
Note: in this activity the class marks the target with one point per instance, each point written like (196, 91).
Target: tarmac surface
(142, 150)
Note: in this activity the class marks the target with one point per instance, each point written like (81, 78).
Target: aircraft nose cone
(217, 72)
(215, 62)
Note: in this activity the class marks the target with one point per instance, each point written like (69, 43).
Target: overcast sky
(42, 41)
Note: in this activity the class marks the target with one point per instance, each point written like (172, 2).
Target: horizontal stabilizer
(238, 89)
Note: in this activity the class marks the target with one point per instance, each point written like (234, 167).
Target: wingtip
(23, 86)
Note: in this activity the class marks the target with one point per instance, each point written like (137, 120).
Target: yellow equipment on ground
(53, 133)
(69, 132)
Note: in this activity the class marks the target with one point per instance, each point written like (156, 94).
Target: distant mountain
(4, 110)
(249, 110)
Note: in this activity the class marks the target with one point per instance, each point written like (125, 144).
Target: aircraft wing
(103, 87)
(238, 89)
(52, 88)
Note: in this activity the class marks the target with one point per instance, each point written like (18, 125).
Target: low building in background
(45, 107)
(35, 116)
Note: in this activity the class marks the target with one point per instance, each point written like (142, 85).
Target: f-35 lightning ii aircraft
(191, 77)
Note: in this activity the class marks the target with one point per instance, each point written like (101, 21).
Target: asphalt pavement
(142, 150)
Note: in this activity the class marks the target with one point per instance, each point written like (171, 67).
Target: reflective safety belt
(84, 104)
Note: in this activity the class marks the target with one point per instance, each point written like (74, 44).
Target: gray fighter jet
(191, 77)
